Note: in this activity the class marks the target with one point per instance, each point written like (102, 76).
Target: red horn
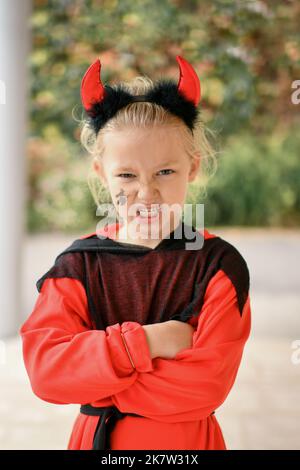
(92, 89)
(188, 83)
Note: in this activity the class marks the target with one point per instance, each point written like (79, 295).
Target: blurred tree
(246, 54)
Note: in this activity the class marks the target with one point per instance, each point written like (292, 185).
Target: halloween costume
(100, 290)
(84, 341)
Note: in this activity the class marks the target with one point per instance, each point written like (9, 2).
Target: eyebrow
(161, 164)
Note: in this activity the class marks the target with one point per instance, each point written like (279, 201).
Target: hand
(166, 339)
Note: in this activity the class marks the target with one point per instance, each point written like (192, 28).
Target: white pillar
(14, 50)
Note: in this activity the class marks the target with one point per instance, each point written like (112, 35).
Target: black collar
(176, 240)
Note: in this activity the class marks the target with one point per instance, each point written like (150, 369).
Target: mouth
(148, 214)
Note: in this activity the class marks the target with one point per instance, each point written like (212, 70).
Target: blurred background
(247, 56)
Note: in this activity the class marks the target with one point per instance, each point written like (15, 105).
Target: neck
(123, 235)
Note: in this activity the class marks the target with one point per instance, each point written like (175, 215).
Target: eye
(130, 175)
(125, 175)
(167, 170)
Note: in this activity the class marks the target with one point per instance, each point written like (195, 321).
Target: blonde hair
(147, 115)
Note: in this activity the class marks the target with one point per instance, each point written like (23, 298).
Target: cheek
(171, 189)
(121, 195)
(175, 188)
(121, 198)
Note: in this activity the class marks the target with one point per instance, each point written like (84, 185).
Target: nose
(147, 191)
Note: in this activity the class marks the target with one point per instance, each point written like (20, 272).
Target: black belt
(108, 418)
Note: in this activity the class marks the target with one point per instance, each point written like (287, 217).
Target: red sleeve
(66, 360)
(197, 381)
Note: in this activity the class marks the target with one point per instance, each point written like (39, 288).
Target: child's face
(146, 167)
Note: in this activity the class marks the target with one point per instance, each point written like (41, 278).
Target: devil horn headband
(102, 102)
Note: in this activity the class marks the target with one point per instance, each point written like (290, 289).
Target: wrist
(153, 339)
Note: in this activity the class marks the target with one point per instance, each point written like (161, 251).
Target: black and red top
(84, 342)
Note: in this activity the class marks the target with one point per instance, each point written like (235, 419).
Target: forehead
(146, 148)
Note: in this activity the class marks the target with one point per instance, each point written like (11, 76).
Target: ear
(98, 168)
(194, 168)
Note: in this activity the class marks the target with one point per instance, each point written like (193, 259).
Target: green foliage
(246, 55)
(59, 196)
(258, 182)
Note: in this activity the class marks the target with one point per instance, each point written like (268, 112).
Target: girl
(144, 330)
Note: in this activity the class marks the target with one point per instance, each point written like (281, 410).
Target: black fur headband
(102, 102)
